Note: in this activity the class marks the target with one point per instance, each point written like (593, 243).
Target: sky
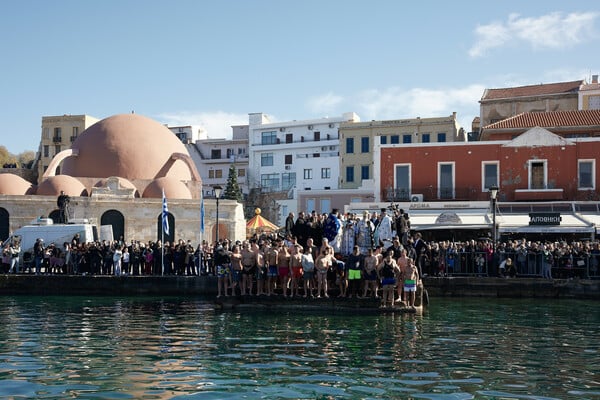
(211, 62)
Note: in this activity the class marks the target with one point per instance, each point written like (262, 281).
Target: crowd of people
(317, 255)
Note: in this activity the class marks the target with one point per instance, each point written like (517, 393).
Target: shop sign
(544, 218)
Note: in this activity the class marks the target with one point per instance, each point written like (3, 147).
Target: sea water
(171, 348)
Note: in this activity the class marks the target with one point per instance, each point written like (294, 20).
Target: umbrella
(259, 223)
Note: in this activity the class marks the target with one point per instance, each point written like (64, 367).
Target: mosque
(115, 174)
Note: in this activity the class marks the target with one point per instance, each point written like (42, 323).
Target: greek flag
(202, 214)
(165, 214)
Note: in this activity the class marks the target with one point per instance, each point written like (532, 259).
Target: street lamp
(493, 194)
(217, 189)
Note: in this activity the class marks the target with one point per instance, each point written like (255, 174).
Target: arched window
(116, 220)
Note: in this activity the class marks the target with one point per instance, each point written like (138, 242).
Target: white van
(58, 234)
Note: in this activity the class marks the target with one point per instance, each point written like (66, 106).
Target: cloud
(551, 31)
(217, 124)
(324, 104)
(395, 102)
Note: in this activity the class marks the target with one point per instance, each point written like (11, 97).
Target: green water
(132, 348)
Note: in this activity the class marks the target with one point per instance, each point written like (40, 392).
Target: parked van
(45, 229)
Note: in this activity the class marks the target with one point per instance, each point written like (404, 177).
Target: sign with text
(548, 218)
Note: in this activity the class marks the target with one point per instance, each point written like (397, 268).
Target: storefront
(545, 226)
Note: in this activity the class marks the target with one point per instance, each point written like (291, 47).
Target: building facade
(294, 156)
(188, 133)
(357, 141)
(213, 158)
(58, 133)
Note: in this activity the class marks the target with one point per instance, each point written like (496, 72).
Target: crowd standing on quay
(318, 255)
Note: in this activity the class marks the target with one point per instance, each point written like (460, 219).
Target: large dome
(129, 146)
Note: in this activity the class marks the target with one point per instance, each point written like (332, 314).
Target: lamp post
(493, 194)
(217, 189)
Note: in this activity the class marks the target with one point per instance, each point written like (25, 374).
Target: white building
(188, 133)
(294, 156)
(213, 157)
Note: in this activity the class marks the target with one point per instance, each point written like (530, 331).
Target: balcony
(72, 138)
(57, 139)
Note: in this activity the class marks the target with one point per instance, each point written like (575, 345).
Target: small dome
(174, 189)
(14, 185)
(127, 145)
(54, 184)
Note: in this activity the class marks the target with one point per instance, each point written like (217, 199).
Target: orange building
(536, 171)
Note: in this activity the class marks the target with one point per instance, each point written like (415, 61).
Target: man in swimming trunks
(248, 264)
(411, 279)
(370, 270)
(388, 270)
(354, 267)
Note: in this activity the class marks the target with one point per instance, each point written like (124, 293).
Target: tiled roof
(551, 119)
(532, 90)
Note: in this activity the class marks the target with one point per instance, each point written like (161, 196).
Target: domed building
(116, 173)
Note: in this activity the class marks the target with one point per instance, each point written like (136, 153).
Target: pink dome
(174, 189)
(53, 185)
(129, 146)
(14, 185)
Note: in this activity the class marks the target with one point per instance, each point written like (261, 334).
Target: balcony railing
(57, 139)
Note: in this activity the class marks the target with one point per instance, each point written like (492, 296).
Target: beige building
(357, 142)
(58, 133)
(116, 172)
(499, 104)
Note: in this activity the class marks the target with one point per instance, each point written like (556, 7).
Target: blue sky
(211, 63)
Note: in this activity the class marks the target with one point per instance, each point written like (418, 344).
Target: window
(310, 205)
(489, 175)
(594, 103)
(317, 136)
(215, 154)
(406, 138)
(46, 150)
(241, 172)
(211, 174)
(402, 182)
(289, 138)
(266, 160)
(394, 139)
(230, 153)
(350, 174)
(287, 159)
(269, 182)
(307, 173)
(269, 137)
(350, 145)
(364, 172)
(218, 173)
(288, 180)
(56, 149)
(75, 130)
(364, 144)
(57, 134)
(586, 174)
(538, 176)
(46, 133)
(241, 151)
(441, 137)
(325, 205)
(325, 173)
(446, 180)
(383, 139)
(426, 138)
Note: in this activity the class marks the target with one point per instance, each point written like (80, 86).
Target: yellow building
(357, 142)
(58, 133)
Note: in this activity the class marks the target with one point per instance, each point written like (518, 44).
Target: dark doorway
(115, 219)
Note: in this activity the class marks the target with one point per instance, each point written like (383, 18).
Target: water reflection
(170, 348)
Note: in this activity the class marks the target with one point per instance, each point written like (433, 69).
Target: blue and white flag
(165, 214)
(202, 214)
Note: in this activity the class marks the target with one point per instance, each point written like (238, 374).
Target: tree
(232, 190)
(26, 159)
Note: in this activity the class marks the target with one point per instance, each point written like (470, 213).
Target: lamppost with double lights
(217, 189)
(493, 194)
